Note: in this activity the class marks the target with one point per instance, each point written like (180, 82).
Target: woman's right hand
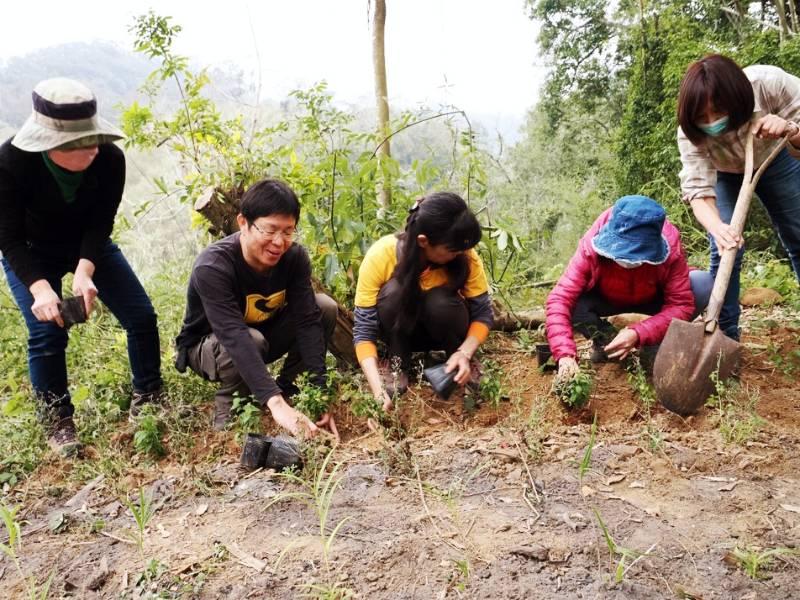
(725, 236)
(567, 368)
(46, 303)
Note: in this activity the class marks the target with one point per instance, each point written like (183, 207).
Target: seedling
(490, 387)
(248, 415)
(142, 512)
(312, 400)
(753, 561)
(147, 438)
(574, 391)
(317, 493)
(735, 411)
(586, 461)
(11, 550)
(621, 554)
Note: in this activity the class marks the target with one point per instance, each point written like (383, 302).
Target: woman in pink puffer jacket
(630, 260)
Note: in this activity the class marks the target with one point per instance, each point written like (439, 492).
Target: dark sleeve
(111, 172)
(480, 310)
(365, 324)
(306, 317)
(216, 287)
(12, 221)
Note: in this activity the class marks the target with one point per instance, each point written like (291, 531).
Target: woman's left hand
(82, 285)
(622, 344)
(458, 360)
(773, 127)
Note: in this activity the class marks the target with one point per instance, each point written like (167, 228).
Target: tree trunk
(382, 101)
(781, 9)
(220, 208)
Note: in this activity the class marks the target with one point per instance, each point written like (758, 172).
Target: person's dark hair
(721, 81)
(269, 197)
(444, 218)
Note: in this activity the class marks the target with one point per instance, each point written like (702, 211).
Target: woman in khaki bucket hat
(61, 183)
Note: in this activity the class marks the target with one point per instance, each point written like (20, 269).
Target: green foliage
(734, 411)
(574, 391)
(147, 438)
(247, 415)
(753, 561)
(142, 512)
(620, 554)
(586, 461)
(311, 400)
(11, 550)
(317, 492)
(760, 270)
(490, 388)
(641, 387)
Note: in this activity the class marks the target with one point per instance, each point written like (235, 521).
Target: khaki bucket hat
(64, 112)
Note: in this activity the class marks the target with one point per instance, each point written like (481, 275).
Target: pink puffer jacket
(582, 274)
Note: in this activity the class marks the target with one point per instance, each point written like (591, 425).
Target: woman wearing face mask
(718, 105)
(630, 260)
(423, 289)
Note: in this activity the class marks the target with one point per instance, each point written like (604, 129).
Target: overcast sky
(479, 55)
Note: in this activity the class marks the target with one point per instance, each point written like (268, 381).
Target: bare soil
(485, 507)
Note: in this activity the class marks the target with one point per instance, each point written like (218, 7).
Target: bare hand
(82, 285)
(567, 368)
(726, 237)
(625, 341)
(291, 419)
(773, 127)
(458, 361)
(328, 423)
(46, 306)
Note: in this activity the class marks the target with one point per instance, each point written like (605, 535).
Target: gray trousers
(209, 359)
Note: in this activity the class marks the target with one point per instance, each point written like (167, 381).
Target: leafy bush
(575, 391)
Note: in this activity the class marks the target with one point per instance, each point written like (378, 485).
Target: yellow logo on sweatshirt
(260, 308)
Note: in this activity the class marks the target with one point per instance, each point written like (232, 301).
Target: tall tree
(381, 100)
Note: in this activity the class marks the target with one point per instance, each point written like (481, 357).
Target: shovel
(691, 352)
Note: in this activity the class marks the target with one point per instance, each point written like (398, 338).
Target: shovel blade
(685, 361)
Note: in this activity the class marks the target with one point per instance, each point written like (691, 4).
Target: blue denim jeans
(120, 290)
(779, 192)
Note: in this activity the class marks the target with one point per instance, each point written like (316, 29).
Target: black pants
(209, 358)
(442, 323)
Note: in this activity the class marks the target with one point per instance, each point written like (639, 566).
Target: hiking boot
(395, 381)
(62, 437)
(141, 399)
(222, 413)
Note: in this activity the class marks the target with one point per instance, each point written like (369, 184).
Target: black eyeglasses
(271, 234)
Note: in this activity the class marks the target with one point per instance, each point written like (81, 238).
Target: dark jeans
(442, 323)
(591, 307)
(120, 290)
(779, 192)
(210, 360)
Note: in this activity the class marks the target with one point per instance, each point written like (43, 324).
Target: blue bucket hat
(633, 233)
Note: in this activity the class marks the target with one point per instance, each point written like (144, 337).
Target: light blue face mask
(628, 264)
(714, 128)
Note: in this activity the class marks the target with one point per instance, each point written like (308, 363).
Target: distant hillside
(113, 73)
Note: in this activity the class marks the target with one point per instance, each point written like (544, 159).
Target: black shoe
(141, 399)
(62, 437)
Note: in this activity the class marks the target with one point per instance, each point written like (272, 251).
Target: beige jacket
(776, 92)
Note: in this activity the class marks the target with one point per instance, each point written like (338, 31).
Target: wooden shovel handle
(728, 257)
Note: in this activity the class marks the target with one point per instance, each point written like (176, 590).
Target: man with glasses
(249, 303)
